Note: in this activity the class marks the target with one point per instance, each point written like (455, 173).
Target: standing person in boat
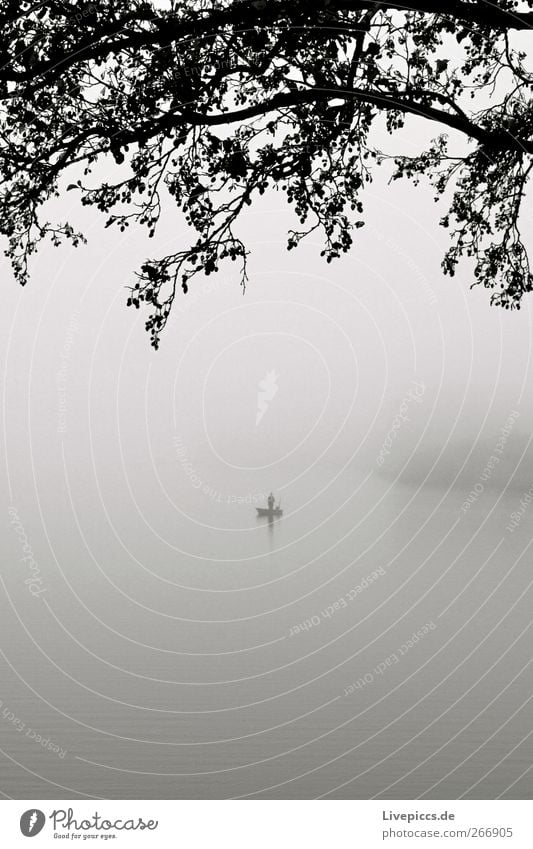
(271, 501)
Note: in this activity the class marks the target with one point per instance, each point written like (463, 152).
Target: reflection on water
(267, 656)
(373, 641)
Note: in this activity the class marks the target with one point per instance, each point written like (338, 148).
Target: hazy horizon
(156, 648)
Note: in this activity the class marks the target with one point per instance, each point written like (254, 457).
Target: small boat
(265, 511)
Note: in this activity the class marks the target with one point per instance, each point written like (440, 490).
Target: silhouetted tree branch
(214, 102)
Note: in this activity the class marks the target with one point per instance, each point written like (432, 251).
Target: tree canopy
(216, 101)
